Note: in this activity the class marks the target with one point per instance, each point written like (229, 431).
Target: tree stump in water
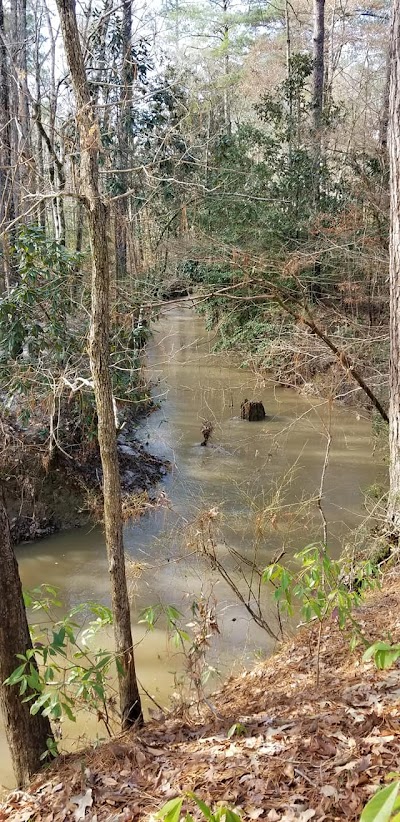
(206, 430)
(252, 411)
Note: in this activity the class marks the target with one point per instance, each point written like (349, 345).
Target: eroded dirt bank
(45, 495)
(306, 752)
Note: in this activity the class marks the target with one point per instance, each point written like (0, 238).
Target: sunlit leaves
(320, 587)
(383, 806)
(76, 677)
(171, 811)
(384, 654)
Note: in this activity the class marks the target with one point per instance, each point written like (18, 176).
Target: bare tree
(318, 63)
(384, 117)
(37, 109)
(99, 352)
(394, 274)
(23, 158)
(317, 109)
(7, 212)
(227, 69)
(49, 136)
(27, 735)
(125, 130)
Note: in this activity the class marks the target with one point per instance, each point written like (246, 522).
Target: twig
(318, 652)
(322, 482)
(304, 776)
(163, 710)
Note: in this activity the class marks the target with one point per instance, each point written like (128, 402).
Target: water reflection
(248, 466)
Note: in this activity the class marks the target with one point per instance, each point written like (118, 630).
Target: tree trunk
(79, 227)
(318, 64)
(50, 139)
(23, 148)
(125, 131)
(317, 108)
(7, 212)
(27, 735)
(384, 117)
(289, 76)
(39, 170)
(99, 352)
(55, 162)
(394, 274)
(225, 44)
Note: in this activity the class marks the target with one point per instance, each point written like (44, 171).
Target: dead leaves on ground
(307, 754)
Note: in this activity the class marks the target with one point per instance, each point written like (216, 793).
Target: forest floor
(45, 495)
(307, 751)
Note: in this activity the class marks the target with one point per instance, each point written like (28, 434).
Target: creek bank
(175, 290)
(291, 354)
(44, 496)
(303, 751)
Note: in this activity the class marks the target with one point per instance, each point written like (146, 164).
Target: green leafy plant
(322, 589)
(237, 729)
(172, 811)
(191, 638)
(61, 675)
(320, 586)
(384, 654)
(384, 805)
(152, 613)
(34, 312)
(45, 371)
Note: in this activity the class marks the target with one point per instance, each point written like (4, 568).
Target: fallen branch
(278, 296)
(341, 356)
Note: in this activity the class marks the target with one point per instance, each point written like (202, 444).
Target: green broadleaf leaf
(231, 816)
(371, 651)
(172, 613)
(16, 675)
(380, 807)
(38, 704)
(207, 813)
(171, 811)
(68, 712)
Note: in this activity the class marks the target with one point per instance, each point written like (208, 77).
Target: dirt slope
(308, 752)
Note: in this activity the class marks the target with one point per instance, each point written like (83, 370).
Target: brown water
(238, 477)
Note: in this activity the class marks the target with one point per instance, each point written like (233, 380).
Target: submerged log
(252, 411)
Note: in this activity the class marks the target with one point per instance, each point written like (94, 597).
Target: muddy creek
(253, 477)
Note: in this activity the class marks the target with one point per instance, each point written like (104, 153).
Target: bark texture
(318, 62)
(128, 70)
(252, 411)
(318, 102)
(394, 365)
(7, 212)
(384, 118)
(99, 351)
(23, 159)
(227, 68)
(26, 735)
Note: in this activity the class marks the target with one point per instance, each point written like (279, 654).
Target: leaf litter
(305, 753)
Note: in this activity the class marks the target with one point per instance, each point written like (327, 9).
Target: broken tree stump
(252, 411)
(206, 429)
